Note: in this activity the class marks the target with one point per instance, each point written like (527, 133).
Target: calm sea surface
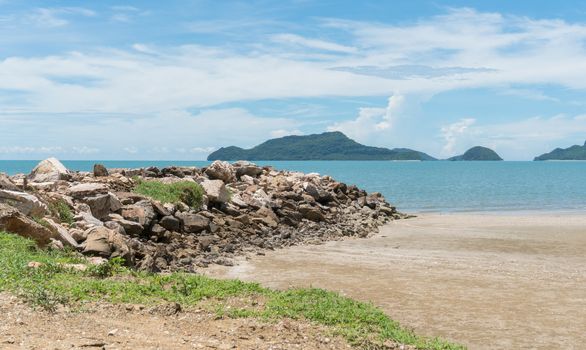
(426, 186)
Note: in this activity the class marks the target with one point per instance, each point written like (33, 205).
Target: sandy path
(488, 281)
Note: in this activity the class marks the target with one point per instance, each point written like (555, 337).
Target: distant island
(575, 152)
(476, 154)
(326, 146)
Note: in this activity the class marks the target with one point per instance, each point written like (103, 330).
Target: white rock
(216, 191)
(49, 170)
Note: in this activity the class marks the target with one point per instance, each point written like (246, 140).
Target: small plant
(188, 192)
(48, 300)
(60, 209)
(41, 221)
(106, 269)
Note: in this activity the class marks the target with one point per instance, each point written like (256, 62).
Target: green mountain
(326, 146)
(477, 153)
(575, 152)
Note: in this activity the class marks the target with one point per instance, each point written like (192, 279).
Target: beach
(489, 281)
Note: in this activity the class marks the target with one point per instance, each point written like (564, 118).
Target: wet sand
(487, 281)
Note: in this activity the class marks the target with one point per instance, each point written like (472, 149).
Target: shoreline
(488, 281)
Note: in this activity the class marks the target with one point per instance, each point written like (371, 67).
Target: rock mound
(245, 209)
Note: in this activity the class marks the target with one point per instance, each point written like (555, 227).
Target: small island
(326, 146)
(477, 153)
(575, 152)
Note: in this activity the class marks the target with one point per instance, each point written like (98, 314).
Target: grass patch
(188, 192)
(60, 209)
(53, 284)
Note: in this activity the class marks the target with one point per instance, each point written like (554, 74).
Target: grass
(60, 209)
(53, 284)
(188, 192)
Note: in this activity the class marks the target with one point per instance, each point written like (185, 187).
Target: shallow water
(427, 186)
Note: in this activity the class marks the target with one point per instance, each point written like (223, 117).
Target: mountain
(477, 153)
(575, 152)
(326, 146)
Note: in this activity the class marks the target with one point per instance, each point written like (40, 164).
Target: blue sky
(178, 79)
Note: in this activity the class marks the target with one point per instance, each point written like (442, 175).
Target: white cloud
(515, 140)
(53, 17)
(451, 134)
(283, 132)
(312, 43)
(169, 135)
(371, 120)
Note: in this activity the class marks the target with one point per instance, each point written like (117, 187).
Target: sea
(414, 187)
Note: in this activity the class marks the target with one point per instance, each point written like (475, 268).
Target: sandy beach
(489, 281)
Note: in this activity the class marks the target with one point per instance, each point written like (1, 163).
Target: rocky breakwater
(187, 217)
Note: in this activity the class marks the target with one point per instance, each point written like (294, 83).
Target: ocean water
(426, 186)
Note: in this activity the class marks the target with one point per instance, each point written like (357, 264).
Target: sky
(175, 80)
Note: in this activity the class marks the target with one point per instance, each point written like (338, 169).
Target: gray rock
(104, 204)
(141, 212)
(61, 233)
(28, 204)
(87, 190)
(245, 168)
(131, 228)
(216, 191)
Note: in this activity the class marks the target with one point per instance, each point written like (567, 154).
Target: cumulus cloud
(371, 120)
(451, 134)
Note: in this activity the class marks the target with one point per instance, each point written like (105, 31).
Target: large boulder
(245, 168)
(141, 212)
(6, 183)
(87, 190)
(27, 203)
(131, 228)
(104, 204)
(193, 223)
(61, 233)
(216, 191)
(106, 243)
(220, 170)
(170, 223)
(12, 220)
(100, 170)
(311, 213)
(49, 170)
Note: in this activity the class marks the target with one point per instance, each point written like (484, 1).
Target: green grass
(188, 192)
(61, 210)
(52, 284)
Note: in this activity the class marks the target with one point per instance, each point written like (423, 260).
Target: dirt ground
(111, 327)
(487, 281)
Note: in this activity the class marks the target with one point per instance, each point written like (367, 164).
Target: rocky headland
(227, 210)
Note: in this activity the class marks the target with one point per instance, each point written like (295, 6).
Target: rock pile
(245, 209)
